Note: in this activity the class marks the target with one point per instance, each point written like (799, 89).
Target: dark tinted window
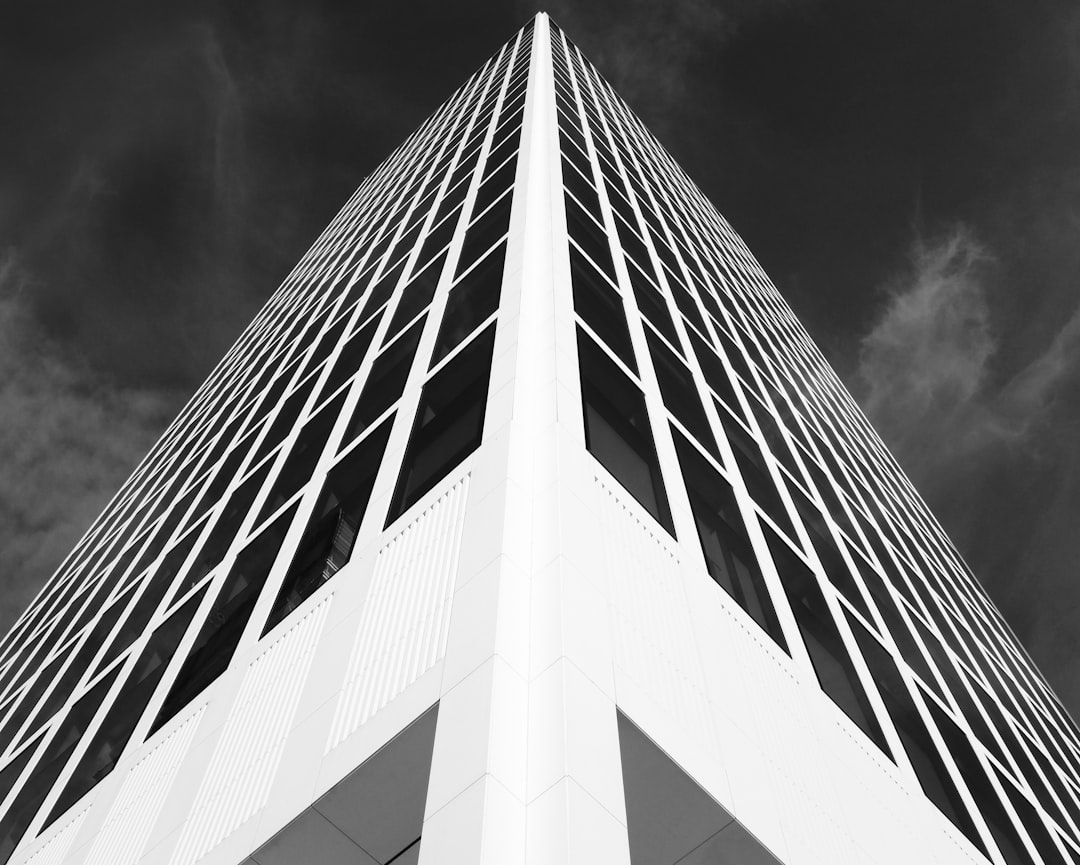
(67, 736)
(213, 649)
(832, 663)
(729, 555)
(681, 394)
(416, 296)
(306, 451)
(617, 429)
(929, 768)
(111, 737)
(386, 381)
(449, 422)
(226, 528)
(351, 357)
(484, 233)
(601, 306)
(471, 301)
(328, 540)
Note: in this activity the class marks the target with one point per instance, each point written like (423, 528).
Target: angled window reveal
(484, 233)
(449, 422)
(681, 394)
(352, 356)
(470, 303)
(305, 454)
(416, 296)
(108, 743)
(139, 616)
(833, 665)
(225, 529)
(213, 649)
(617, 430)
(729, 555)
(376, 809)
(933, 776)
(386, 381)
(601, 307)
(10, 832)
(328, 540)
(14, 823)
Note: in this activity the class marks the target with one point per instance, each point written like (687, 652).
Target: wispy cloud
(927, 366)
(993, 450)
(924, 365)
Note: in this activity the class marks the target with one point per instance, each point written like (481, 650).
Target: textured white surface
(246, 757)
(653, 634)
(142, 794)
(55, 850)
(403, 628)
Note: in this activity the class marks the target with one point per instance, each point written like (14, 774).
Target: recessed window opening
(328, 541)
(729, 555)
(601, 307)
(213, 649)
(471, 302)
(832, 664)
(449, 422)
(617, 430)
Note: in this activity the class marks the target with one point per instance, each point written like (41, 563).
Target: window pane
(601, 307)
(449, 422)
(729, 555)
(925, 759)
(112, 736)
(484, 233)
(213, 648)
(416, 296)
(832, 664)
(34, 790)
(680, 393)
(328, 541)
(306, 451)
(351, 357)
(224, 531)
(386, 381)
(471, 301)
(617, 429)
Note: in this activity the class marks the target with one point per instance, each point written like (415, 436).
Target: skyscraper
(525, 523)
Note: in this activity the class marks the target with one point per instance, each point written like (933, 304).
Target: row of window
(971, 614)
(619, 434)
(826, 451)
(224, 476)
(446, 427)
(441, 123)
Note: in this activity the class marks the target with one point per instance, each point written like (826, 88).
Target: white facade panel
(527, 435)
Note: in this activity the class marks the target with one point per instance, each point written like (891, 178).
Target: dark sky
(908, 173)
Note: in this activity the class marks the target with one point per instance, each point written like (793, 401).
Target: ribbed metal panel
(142, 794)
(651, 621)
(404, 624)
(55, 850)
(246, 757)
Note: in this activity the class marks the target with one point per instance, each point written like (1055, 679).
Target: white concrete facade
(532, 598)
